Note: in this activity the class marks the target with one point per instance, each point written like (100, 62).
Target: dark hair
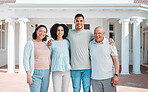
(53, 31)
(79, 15)
(34, 35)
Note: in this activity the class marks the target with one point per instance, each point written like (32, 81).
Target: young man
(103, 61)
(80, 61)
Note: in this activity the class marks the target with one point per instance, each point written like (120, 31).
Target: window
(111, 31)
(111, 27)
(111, 35)
(3, 40)
(0, 40)
(69, 26)
(2, 37)
(36, 25)
(87, 26)
(3, 27)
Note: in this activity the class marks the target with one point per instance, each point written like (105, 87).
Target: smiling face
(79, 23)
(60, 32)
(41, 33)
(99, 34)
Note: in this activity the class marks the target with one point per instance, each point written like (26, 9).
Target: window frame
(85, 25)
(112, 31)
(69, 24)
(1, 45)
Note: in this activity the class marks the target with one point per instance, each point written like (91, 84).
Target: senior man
(104, 63)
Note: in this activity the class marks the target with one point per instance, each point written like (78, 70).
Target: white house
(126, 21)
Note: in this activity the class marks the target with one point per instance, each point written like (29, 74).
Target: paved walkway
(128, 83)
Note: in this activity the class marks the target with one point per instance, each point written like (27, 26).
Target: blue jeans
(40, 81)
(77, 76)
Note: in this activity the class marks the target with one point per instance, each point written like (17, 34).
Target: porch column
(11, 45)
(125, 46)
(136, 45)
(22, 42)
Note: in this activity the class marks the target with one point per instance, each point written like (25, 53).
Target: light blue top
(60, 57)
(28, 58)
(101, 59)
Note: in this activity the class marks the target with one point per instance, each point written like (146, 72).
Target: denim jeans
(40, 81)
(77, 76)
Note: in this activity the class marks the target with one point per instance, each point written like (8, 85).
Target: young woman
(60, 58)
(37, 61)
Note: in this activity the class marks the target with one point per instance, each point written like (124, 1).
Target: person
(104, 63)
(80, 63)
(36, 61)
(80, 60)
(60, 58)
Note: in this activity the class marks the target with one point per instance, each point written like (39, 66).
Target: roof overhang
(142, 7)
(7, 1)
(90, 10)
(141, 1)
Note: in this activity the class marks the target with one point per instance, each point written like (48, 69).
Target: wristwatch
(116, 74)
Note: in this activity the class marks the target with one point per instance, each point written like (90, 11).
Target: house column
(136, 45)
(125, 46)
(11, 45)
(22, 42)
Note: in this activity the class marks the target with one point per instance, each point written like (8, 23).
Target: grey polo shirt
(101, 59)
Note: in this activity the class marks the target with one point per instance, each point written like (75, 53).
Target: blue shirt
(60, 57)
